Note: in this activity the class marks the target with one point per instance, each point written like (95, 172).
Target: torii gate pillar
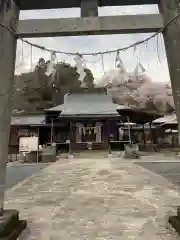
(169, 9)
(9, 15)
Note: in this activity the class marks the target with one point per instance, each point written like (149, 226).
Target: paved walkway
(95, 199)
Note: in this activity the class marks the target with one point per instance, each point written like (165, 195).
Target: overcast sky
(152, 54)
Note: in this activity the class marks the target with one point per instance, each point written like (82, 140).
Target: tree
(89, 79)
(34, 91)
(142, 92)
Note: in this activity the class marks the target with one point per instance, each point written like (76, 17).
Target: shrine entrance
(89, 132)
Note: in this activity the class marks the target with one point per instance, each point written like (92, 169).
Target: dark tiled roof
(28, 120)
(89, 103)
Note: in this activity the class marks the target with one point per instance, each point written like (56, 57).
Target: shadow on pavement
(170, 171)
(20, 172)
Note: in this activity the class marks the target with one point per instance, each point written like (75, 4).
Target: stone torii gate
(88, 24)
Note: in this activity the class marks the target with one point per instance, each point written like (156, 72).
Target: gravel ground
(102, 199)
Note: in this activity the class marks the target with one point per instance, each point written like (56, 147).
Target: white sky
(152, 54)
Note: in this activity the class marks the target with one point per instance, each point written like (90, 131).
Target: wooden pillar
(38, 146)
(70, 137)
(129, 131)
(108, 137)
(144, 136)
(169, 9)
(52, 131)
(89, 8)
(9, 14)
(151, 132)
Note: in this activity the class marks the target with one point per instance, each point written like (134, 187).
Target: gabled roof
(58, 108)
(174, 122)
(166, 119)
(27, 120)
(88, 104)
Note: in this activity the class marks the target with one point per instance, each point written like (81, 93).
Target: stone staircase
(78, 147)
(91, 154)
(80, 150)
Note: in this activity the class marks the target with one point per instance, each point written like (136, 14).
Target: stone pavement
(102, 199)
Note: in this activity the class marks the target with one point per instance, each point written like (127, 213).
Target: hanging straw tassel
(119, 64)
(80, 68)
(50, 68)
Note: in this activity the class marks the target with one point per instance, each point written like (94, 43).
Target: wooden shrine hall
(86, 116)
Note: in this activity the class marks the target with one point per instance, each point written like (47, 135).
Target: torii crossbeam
(88, 24)
(49, 4)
